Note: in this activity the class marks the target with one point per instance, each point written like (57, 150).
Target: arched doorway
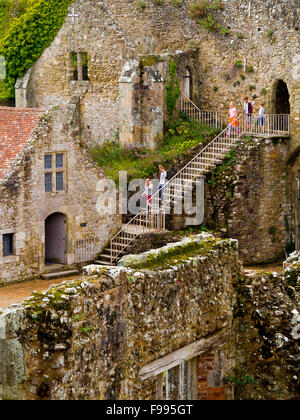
(187, 83)
(282, 98)
(55, 239)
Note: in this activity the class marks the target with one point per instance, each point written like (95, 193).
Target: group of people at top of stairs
(248, 111)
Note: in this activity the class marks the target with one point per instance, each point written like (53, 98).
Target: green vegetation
(172, 90)
(88, 329)
(239, 35)
(148, 60)
(270, 35)
(249, 69)
(240, 381)
(203, 10)
(10, 12)
(176, 3)
(291, 276)
(218, 173)
(179, 254)
(32, 26)
(141, 5)
(180, 137)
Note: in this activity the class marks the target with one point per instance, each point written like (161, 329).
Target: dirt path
(277, 268)
(18, 292)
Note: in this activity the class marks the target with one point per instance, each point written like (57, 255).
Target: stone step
(60, 274)
(109, 264)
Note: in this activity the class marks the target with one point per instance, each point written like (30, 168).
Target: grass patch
(180, 137)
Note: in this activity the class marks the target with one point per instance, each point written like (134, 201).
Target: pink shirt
(233, 112)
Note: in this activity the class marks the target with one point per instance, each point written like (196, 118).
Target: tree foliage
(28, 36)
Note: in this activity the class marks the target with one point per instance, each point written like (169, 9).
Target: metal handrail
(156, 195)
(246, 127)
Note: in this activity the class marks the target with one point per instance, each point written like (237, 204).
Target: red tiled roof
(16, 127)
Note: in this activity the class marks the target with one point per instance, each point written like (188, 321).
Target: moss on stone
(148, 60)
(177, 254)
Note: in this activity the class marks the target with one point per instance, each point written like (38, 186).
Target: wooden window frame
(187, 355)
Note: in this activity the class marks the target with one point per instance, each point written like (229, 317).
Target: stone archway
(55, 239)
(282, 98)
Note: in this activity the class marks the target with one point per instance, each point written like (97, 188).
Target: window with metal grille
(8, 244)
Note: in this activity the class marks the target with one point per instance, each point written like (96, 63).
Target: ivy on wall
(172, 90)
(28, 37)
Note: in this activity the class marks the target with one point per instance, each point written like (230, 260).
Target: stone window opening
(80, 66)
(178, 383)
(55, 172)
(8, 244)
(194, 372)
(187, 83)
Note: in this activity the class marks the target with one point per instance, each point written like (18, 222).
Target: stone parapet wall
(89, 338)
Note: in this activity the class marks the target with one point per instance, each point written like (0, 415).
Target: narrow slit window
(80, 65)
(75, 65)
(85, 66)
(8, 244)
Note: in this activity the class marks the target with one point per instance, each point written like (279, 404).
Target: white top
(163, 177)
(148, 189)
(261, 111)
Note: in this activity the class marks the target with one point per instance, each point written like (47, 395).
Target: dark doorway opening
(282, 98)
(55, 239)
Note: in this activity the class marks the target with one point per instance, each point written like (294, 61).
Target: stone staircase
(154, 217)
(58, 271)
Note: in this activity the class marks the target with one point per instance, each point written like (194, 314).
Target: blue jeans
(161, 192)
(261, 121)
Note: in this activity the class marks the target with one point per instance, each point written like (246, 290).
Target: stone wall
(89, 339)
(267, 336)
(264, 33)
(24, 204)
(249, 198)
